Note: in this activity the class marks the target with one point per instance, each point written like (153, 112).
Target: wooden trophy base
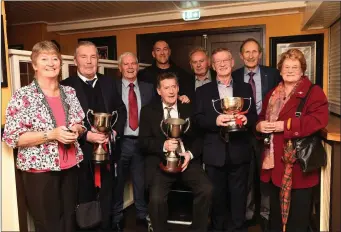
(171, 167)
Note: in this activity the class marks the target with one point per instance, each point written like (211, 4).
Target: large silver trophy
(102, 122)
(232, 106)
(175, 128)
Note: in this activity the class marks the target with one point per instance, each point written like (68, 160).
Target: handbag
(309, 150)
(89, 214)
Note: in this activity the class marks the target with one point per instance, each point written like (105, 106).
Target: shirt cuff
(190, 154)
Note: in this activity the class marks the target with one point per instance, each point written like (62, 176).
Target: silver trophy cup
(175, 128)
(102, 123)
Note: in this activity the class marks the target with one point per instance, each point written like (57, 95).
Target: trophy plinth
(175, 128)
(232, 106)
(102, 123)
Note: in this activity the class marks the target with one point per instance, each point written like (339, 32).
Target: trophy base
(100, 158)
(171, 167)
(233, 126)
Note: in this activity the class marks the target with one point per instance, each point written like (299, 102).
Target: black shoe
(118, 227)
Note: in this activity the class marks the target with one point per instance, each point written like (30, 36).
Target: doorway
(182, 42)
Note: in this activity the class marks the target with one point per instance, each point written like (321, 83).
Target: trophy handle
(250, 102)
(114, 113)
(162, 121)
(87, 115)
(188, 124)
(214, 101)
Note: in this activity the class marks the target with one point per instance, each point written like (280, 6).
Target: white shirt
(174, 113)
(83, 78)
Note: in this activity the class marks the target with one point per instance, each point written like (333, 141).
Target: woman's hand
(63, 135)
(265, 127)
(279, 126)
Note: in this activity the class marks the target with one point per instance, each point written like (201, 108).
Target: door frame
(210, 31)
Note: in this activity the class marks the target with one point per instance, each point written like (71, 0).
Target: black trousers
(299, 214)
(88, 192)
(196, 179)
(229, 196)
(51, 199)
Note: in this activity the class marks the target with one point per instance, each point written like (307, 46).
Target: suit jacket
(270, 77)
(214, 150)
(146, 90)
(314, 117)
(112, 101)
(151, 138)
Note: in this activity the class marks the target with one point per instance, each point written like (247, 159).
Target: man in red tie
(262, 79)
(135, 94)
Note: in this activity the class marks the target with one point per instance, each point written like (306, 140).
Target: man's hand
(242, 117)
(170, 144)
(95, 136)
(184, 99)
(187, 157)
(223, 119)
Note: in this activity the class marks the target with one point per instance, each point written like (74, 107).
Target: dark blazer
(146, 90)
(151, 138)
(314, 118)
(270, 77)
(112, 101)
(214, 151)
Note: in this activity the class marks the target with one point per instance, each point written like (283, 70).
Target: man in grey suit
(262, 79)
(135, 94)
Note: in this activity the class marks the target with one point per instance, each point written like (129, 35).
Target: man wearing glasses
(262, 79)
(227, 161)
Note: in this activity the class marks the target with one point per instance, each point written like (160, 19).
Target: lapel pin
(300, 92)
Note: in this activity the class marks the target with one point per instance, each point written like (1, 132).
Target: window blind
(334, 68)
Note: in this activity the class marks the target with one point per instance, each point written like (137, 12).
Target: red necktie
(133, 114)
(252, 83)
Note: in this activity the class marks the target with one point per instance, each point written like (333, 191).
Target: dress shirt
(225, 90)
(206, 80)
(258, 84)
(83, 78)
(125, 99)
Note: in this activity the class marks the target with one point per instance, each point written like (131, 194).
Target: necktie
(91, 82)
(253, 85)
(133, 114)
(168, 112)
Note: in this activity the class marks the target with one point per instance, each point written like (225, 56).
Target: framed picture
(16, 46)
(107, 47)
(3, 67)
(310, 45)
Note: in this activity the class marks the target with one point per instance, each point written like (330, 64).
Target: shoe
(146, 223)
(119, 226)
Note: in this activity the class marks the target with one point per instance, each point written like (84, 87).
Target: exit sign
(189, 15)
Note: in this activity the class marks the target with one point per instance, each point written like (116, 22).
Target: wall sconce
(189, 15)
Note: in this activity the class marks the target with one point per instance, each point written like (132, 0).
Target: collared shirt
(83, 78)
(173, 113)
(225, 90)
(206, 80)
(258, 84)
(125, 99)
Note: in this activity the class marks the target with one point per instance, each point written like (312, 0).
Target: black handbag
(88, 214)
(309, 150)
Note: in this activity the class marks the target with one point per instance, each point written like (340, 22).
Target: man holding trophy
(226, 111)
(169, 139)
(98, 96)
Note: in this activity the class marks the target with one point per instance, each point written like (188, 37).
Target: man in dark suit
(262, 79)
(154, 143)
(162, 64)
(202, 74)
(226, 157)
(99, 93)
(135, 94)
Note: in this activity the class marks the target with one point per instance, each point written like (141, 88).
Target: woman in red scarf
(291, 194)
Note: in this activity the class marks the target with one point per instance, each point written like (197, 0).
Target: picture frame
(106, 46)
(3, 67)
(16, 46)
(310, 45)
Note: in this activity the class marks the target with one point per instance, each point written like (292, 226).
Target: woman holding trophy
(278, 120)
(44, 120)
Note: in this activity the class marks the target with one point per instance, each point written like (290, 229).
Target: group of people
(46, 122)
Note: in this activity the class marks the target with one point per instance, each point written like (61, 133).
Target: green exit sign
(189, 15)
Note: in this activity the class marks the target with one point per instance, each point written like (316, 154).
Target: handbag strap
(303, 100)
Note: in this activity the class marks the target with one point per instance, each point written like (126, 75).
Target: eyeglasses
(293, 69)
(219, 62)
